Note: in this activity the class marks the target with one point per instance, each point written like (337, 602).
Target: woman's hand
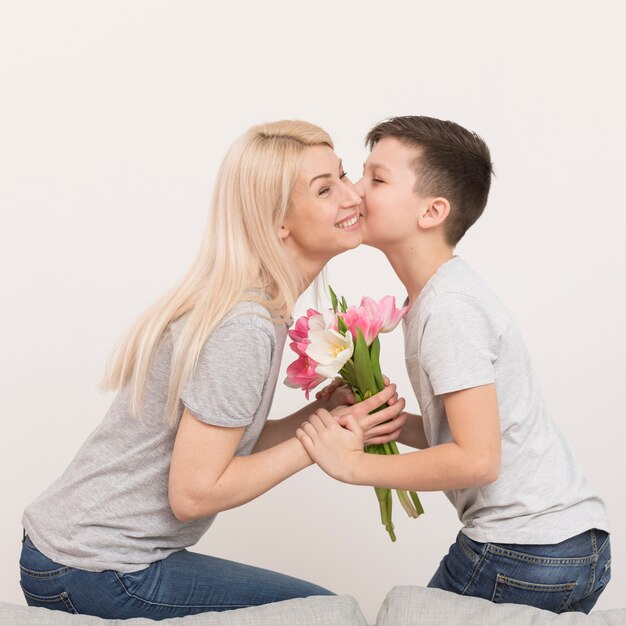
(337, 393)
(335, 449)
(379, 427)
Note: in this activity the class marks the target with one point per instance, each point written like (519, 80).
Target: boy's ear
(434, 212)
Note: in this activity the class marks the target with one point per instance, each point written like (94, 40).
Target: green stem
(409, 500)
(416, 502)
(419, 509)
(406, 503)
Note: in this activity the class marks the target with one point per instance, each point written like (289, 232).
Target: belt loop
(23, 535)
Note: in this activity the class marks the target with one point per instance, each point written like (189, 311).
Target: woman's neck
(308, 270)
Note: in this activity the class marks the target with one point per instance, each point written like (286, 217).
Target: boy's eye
(343, 175)
(377, 180)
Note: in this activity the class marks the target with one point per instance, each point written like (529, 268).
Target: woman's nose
(352, 195)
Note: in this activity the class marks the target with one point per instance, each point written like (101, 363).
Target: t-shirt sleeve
(459, 344)
(227, 384)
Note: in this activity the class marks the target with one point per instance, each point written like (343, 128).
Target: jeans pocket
(605, 576)
(543, 596)
(143, 583)
(59, 602)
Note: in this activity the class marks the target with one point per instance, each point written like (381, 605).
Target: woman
(186, 437)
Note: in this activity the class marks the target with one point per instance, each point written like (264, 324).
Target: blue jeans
(184, 583)
(567, 576)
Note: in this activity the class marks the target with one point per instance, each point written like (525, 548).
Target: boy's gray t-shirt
(110, 509)
(458, 336)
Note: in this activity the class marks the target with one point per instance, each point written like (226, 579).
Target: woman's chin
(352, 239)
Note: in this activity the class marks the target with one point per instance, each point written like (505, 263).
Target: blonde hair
(240, 251)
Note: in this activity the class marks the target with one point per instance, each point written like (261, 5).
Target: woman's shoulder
(247, 316)
(250, 314)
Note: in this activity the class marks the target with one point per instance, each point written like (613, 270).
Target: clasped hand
(335, 439)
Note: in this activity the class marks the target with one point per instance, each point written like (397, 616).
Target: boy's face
(390, 205)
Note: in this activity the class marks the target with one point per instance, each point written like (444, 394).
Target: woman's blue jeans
(184, 583)
(567, 576)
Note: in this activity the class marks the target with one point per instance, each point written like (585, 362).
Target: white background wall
(113, 119)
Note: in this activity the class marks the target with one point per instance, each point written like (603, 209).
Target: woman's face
(323, 218)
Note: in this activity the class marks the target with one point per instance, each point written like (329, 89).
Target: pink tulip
(363, 318)
(300, 331)
(384, 311)
(301, 373)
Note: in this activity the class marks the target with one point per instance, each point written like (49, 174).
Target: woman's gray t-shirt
(457, 336)
(110, 509)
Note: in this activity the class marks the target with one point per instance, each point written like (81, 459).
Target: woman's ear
(434, 213)
(283, 233)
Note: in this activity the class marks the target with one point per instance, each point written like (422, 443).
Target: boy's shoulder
(455, 277)
(457, 290)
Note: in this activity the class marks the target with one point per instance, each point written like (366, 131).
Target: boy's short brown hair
(452, 162)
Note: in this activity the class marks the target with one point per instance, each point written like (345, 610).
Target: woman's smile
(351, 223)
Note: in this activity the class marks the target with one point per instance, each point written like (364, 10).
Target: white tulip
(330, 349)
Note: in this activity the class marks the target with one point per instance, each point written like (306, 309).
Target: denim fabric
(567, 576)
(185, 583)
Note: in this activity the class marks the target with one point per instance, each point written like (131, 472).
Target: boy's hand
(379, 427)
(334, 448)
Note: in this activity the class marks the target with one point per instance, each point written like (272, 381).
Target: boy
(533, 531)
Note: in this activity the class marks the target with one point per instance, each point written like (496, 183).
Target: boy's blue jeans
(567, 576)
(184, 583)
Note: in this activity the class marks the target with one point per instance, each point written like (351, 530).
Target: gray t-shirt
(458, 336)
(110, 509)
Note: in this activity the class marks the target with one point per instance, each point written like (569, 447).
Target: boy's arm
(413, 434)
(472, 459)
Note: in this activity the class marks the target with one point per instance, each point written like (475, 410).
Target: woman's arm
(206, 477)
(277, 431)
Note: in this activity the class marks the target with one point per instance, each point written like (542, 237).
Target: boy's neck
(415, 264)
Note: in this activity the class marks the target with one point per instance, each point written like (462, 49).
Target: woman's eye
(323, 191)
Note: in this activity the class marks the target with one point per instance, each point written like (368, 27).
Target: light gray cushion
(313, 611)
(408, 606)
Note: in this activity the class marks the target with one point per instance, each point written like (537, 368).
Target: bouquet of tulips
(343, 342)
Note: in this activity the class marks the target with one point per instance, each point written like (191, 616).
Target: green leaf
(348, 374)
(333, 298)
(375, 359)
(363, 365)
(344, 304)
(341, 325)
